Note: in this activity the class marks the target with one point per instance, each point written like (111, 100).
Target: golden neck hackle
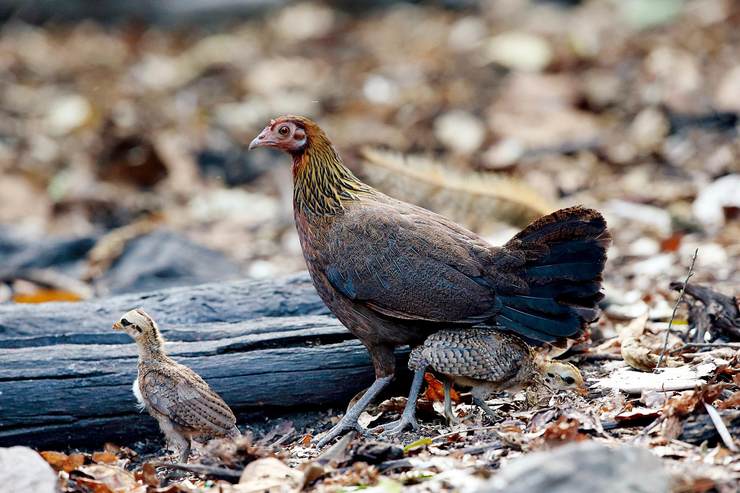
(322, 184)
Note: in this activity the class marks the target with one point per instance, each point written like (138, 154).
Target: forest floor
(113, 133)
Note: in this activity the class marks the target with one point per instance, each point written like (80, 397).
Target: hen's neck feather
(322, 184)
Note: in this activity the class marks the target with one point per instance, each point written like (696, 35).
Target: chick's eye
(569, 380)
(125, 322)
(283, 130)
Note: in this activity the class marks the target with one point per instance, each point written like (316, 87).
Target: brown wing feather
(180, 394)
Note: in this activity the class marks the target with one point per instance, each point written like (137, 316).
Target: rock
(657, 219)
(20, 252)
(23, 469)
(519, 51)
(165, 259)
(649, 129)
(585, 467)
(68, 113)
(709, 205)
(460, 131)
(727, 97)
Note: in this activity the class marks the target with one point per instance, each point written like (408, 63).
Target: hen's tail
(560, 258)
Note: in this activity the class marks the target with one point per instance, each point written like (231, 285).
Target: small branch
(212, 471)
(675, 308)
(712, 344)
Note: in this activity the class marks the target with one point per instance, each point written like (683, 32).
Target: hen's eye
(283, 130)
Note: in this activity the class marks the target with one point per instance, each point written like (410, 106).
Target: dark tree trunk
(65, 376)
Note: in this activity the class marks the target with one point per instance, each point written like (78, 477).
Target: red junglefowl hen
(394, 273)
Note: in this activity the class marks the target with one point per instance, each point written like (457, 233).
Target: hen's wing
(408, 263)
(186, 399)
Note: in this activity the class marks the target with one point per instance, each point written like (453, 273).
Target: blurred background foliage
(124, 125)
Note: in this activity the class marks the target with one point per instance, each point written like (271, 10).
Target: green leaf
(421, 442)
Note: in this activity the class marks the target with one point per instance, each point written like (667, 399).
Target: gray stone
(164, 259)
(585, 467)
(23, 469)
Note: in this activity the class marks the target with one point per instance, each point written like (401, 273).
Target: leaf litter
(636, 116)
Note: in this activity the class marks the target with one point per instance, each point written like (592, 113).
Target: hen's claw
(349, 420)
(397, 427)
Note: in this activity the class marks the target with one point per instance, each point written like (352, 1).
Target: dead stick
(675, 308)
(216, 472)
(712, 344)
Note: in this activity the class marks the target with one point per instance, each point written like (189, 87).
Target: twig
(722, 430)
(468, 430)
(712, 344)
(215, 472)
(675, 308)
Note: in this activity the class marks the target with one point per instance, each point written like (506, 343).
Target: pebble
(519, 50)
(68, 113)
(709, 205)
(727, 97)
(460, 131)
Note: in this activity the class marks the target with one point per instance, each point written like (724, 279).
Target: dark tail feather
(562, 257)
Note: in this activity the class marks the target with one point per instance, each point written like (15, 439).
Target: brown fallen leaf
(104, 457)
(269, 475)
(115, 479)
(563, 430)
(147, 475)
(435, 390)
(63, 462)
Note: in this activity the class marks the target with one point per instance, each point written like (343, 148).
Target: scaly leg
(478, 401)
(449, 414)
(349, 420)
(408, 417)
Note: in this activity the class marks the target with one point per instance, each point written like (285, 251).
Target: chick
(488, 361)
(173, 394)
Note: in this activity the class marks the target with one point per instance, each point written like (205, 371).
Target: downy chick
(177, 397)
(489, 361)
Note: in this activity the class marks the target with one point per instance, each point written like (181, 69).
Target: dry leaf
(564, 429)
(117, 480)
(269, 475)
(435, 390)
(104, 457)
(63, 462)
(45, 296)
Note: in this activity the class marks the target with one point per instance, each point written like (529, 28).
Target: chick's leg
(349, 420)
(480, 401)
(449, 414)
(408, 417)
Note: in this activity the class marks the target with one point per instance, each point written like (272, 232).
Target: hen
(394, 273)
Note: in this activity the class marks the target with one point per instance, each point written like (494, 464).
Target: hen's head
(289, 133)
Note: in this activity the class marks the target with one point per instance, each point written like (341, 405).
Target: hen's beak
(262, 140)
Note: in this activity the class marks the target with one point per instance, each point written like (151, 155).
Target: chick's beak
(262, 140)
(117, 326)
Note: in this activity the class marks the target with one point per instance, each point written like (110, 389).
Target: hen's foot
(397, 427)
(349, 420)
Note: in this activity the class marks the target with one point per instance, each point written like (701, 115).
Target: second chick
(488, 361)
(177, 397)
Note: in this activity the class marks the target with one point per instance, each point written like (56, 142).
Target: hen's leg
(349, 420)
(449, 414)
(408, 417)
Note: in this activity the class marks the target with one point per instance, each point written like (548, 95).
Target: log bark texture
(267, 346)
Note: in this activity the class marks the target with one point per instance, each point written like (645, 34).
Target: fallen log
(65, 376)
